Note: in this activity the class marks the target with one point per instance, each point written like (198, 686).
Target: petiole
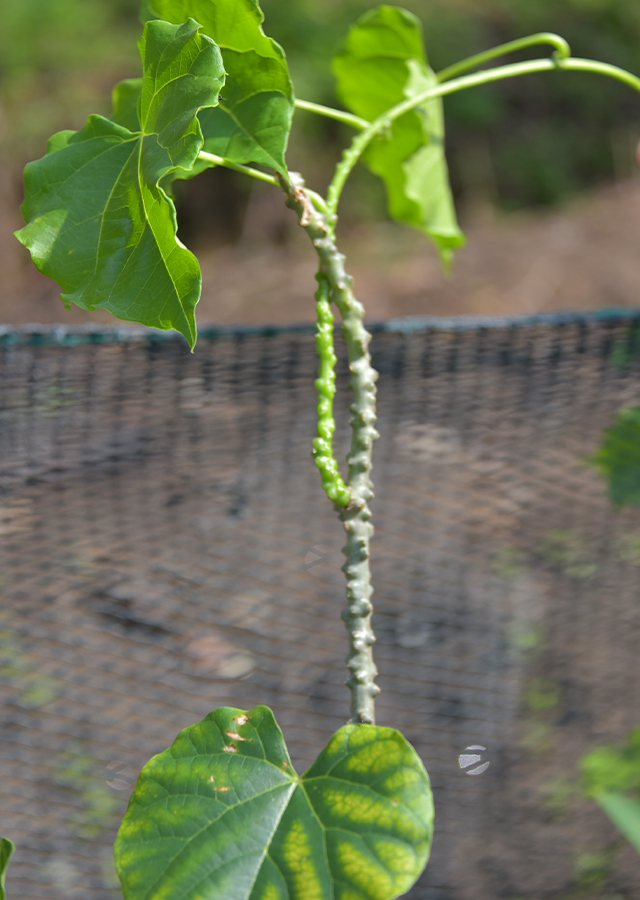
(562, 51)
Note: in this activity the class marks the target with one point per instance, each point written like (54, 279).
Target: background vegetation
(531, 141)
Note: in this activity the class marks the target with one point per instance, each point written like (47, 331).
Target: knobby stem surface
(359, 144)
(322, 453)
(356, 516)
(318, 217)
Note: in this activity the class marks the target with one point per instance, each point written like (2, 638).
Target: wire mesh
(166, 549)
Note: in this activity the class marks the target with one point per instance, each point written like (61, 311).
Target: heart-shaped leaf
(97, 220)
(6, 850)
(253, 119)
(383, 63)
(222, 814)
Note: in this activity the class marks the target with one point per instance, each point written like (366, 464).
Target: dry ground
(583, 255)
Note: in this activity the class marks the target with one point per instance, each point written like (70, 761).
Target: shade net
(166, 549)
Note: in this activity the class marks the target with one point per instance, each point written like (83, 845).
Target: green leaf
(125, 98)
(222, 813)
(624, 812)
(383, 63)
(253, 119)
(97, 220)
(618, 457)
(6, 851)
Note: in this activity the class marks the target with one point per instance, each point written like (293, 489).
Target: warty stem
(356, 516)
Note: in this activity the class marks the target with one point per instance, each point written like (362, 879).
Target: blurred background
(543, 167)
(164, 544)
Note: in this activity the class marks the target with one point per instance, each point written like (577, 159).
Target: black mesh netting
(166, 549)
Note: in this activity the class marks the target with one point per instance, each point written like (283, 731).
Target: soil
(583, 255)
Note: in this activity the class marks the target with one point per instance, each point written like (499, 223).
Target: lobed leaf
(253, 119)
(6, 851)
(97, 220)
(383, 63)
(222, 813)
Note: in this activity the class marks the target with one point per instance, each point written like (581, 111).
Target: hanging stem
(356, 515)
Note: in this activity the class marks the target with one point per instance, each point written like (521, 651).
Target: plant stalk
(356, 516)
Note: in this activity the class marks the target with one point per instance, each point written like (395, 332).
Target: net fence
(166, 549)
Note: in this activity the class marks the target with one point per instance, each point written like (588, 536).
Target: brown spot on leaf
(229, 748)
(241, 720)
(236, 736)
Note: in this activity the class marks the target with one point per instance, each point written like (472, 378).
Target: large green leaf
(624, 812)
(253, 119)
(6, 849)
(383, 63)
(222, 814)
(97, 221)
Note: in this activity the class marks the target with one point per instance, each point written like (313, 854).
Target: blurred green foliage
(568, 549)
(541, 694)
(534, 140)
(613, 768)
(98, 808)
(58, 62)
(611, 776)
(18, 670)
(618, 457)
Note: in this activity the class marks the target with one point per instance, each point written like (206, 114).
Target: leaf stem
(331, 113)
(563, 51)
(332, 482)
(356, 515)
(575, 64)
(229, 164)
(318, 200)
(359, 144)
